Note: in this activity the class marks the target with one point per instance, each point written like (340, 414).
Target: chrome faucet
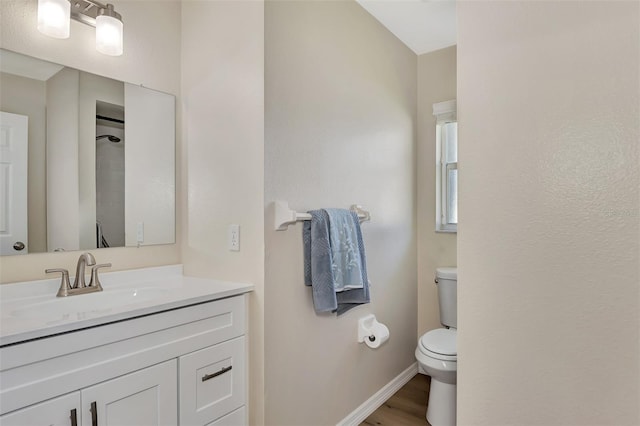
(79, 285)
(85, 259)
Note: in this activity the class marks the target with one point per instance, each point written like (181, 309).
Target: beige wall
(548, 245)
(149, 186)
(151, 42)
(63, 179)
(223, 134)
(26, 96)
(223, 107)
(340, 129)
(151, 57)
(436, 83)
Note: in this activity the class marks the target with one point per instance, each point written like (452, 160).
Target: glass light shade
(109, 35)
(54, 18)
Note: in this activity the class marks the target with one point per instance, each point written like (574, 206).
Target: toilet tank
(447, 282)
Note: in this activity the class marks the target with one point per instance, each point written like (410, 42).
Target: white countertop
(30, 310)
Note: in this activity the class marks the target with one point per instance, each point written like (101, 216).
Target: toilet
(437, 353)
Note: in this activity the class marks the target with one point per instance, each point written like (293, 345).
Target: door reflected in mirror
(99, 166)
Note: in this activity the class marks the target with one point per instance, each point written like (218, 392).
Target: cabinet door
(145, 397)
(61, 411)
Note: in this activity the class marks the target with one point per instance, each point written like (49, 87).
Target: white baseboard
(379, 398)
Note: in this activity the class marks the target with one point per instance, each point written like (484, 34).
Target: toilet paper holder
(364, 328)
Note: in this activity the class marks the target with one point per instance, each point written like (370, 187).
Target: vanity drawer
(237, 418)
(212, 382)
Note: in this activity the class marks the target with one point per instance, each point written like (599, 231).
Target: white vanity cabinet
(183, 366)
(144, 397)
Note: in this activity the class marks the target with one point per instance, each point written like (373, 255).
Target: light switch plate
(233, 240)
(140, 232)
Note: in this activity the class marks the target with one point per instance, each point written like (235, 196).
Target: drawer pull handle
(94, 414)
(216, 374)
(74, 417)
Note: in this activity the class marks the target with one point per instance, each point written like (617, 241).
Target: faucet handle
(95, 281)
(65, 286)
(64, 272)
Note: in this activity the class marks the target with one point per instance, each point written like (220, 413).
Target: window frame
(445, 112)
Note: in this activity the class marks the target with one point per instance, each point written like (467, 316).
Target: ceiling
(423, 25)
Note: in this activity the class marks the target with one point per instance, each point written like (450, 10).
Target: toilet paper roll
(379, 333)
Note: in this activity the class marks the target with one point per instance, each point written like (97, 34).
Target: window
(446, 166)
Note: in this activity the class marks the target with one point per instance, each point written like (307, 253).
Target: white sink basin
(30, 310)
(83, 305)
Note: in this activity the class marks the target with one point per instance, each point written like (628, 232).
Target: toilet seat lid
(441, 341)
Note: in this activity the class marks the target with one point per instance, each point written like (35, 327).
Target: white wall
(223, 107)
(340, 129)
(151, 57)
(26, 96)
(436, 83)
(548, 244)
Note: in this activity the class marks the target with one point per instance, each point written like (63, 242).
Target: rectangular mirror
(85, 161)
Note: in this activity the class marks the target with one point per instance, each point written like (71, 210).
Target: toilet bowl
(436, 353)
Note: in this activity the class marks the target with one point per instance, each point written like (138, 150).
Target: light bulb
(54, 18)
(109, 35)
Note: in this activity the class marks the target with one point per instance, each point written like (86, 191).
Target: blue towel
(318, 265)
(345, 255)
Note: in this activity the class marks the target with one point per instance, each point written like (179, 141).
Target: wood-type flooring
(407, 407)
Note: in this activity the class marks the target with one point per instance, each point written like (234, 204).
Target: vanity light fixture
(54, 20)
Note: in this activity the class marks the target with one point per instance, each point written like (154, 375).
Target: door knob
(19, 245)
